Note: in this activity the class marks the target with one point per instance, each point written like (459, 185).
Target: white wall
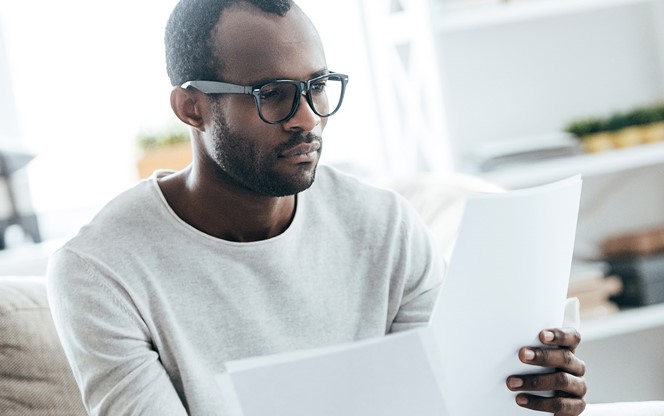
(82, 77)
(9, 132)
(530, 78)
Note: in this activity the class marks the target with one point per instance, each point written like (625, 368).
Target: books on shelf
(637, 258)
(636, 243)
(595, 287)
(595, 294)
(484, 313)
(642, 277)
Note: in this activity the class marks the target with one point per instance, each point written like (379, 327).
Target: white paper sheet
(391, 376)
(507, 280)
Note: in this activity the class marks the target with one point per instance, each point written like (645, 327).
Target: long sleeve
(107, 343)
(424, 269)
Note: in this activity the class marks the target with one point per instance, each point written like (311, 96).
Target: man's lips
(301, 149)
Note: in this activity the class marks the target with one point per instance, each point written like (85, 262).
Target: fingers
(560, 382)
(561, 337)
(566, 381)
(560, 358)
(567, 400)
(559, 405)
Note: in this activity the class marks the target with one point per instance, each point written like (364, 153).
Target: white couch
(35, 378)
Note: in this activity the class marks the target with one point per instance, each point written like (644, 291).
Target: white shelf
(456, 19)
(624, 322)
(609, 161)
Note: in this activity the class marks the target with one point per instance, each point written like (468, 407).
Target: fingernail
(548, 336)
(522, 400)
(529, 354)
(515, 383)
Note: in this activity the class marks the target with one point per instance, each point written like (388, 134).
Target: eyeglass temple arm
(216, 87)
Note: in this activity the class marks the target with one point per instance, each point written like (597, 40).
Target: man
(242, 253)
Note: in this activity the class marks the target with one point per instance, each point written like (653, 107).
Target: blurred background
(83, 81)
(482, 87)
(517, 93)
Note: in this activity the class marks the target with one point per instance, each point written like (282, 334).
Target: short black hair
(188, 38)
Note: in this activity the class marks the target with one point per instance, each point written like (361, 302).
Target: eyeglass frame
(303, 87)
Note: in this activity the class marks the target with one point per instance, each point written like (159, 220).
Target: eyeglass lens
(277, 99)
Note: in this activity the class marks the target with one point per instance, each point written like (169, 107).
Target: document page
(390, 376)
(507, 280)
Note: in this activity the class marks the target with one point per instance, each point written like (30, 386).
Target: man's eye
(268, 95)
(319, 87)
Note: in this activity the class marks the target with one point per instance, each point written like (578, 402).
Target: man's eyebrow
(318, 73)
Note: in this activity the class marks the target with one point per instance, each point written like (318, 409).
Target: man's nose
(304, 118)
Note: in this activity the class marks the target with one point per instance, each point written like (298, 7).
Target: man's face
(269, 159)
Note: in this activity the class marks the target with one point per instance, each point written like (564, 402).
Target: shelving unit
(624, 322)
(516, 70)
(509, 72)
(525, 68)
(622, 353)
(587, 165)
(454, 19)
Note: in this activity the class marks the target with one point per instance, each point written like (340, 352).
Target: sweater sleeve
(423, 270)
(106, 342)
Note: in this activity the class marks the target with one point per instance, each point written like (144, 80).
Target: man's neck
(226, 211)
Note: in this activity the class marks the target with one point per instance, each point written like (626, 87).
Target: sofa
(35, 378)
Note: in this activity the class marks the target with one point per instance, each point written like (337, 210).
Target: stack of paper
(507, 280)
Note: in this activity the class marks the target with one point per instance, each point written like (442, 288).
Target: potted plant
(170, 149)
(653, 131)
(641, 125)
(592, 132)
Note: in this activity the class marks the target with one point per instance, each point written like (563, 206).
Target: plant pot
(598, 142)
(653, 132)
(175, 157)
(627, 137)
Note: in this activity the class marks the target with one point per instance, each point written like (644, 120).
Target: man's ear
(187, 107)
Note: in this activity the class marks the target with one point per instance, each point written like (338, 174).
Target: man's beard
(252, 166)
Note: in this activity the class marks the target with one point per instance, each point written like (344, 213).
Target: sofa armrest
(36, 377)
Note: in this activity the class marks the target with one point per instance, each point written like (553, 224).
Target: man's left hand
(566, 381)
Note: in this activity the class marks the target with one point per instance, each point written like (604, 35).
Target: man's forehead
(256, 45)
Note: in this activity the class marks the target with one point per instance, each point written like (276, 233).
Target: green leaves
(618, 121)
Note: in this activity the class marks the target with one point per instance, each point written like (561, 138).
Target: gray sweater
(149, 308)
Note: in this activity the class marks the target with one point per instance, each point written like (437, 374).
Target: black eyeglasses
(278, 100)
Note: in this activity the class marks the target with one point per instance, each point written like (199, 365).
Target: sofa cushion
(35, 378)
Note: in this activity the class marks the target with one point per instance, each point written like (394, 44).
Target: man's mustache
(298, 138)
